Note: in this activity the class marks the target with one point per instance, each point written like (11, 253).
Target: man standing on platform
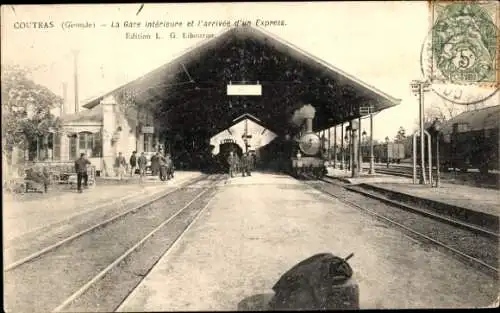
(170, 166)
(142, 162)
(245, 165)
(81, 172)
(120, 164)
(133, 163)
(155, 165)
(162, 162)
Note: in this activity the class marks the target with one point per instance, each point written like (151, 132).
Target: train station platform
(26, 213)
(480, 206)
(344, 175)
(256, 228)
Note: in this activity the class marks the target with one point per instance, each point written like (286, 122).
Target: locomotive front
(309, 161)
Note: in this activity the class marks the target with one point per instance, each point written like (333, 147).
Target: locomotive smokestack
(308, 113)
(309, 125)
(304, 115)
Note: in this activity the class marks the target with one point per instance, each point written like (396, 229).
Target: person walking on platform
(120, 165)
(245, 165)
(81, 172)
(170, 166)
(133, 163)
(142, 161)
(231, 161)
(155, 165)
(162, 162)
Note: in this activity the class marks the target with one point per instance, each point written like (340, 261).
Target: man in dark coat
(142, 161)
(170, 166)
(133, 163)
(162, 162)
(81, 171)
(155, 164)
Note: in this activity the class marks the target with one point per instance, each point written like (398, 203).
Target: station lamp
(436, 129)
(363, 134)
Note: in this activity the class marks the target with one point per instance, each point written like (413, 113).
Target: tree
(440, 109)
(25, 110)
(401, 135)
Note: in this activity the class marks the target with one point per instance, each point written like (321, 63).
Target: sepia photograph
(253, 156)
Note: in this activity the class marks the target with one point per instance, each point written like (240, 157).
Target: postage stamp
(461, 52)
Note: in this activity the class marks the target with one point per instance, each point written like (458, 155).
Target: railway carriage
(470, 140)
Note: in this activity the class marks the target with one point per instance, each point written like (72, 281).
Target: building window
(85, 140)
(97, 146)
(90, 144)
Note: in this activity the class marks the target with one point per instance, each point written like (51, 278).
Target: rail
(490, 268)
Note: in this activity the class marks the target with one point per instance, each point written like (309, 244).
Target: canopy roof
(190, 91)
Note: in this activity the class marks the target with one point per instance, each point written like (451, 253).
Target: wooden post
(75, 64)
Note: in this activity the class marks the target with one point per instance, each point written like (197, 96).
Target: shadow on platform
(258, 302)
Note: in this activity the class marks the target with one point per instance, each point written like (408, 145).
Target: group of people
(244, 165)
(161, 165)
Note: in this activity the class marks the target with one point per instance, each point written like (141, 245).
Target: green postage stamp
(464, 43)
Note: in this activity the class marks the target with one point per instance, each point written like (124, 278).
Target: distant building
(260, 135)
(100, 132)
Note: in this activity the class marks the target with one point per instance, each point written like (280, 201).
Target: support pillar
(329, 147)
(358, 151)
(423, 180)
(371, 145)
(354, 162)
(429, 155)
(108, 106)
(342, 152)
(335, 146)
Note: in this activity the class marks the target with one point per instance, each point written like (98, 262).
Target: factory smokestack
(65, 98)
(75, 64)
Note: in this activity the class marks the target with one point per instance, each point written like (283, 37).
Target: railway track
(96, 268)
(477, 246)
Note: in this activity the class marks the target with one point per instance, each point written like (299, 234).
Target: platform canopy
(190, 92)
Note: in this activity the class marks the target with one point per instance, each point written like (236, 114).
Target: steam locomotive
(309, 160)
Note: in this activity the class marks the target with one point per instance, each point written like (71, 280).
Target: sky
(378, 42)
